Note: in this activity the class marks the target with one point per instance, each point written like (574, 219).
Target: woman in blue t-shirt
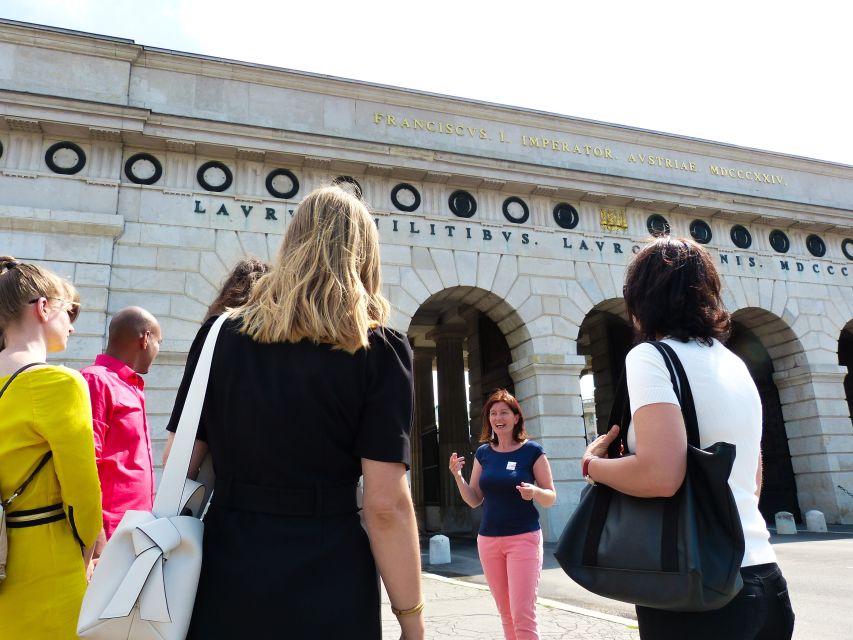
(510, 473)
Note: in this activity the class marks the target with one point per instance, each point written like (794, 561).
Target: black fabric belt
(320, 500)
(35, 517)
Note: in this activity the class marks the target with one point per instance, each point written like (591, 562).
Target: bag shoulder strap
(167, 502)
(5, 503)
(15, 375)
(681, 386)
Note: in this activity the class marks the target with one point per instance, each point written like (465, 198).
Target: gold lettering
(405, 123)
(597, 152)
(660, 161)
(588, 148)
(578, 149)
(378, 117)
(430, 126)
(631, 158)
(472, 131)
(503, 139)
(545, 143)
(693, 166)
(555, 145)
(448, 128)
(419, 124)
(740, 174)
(641, 157)
(566, 147)
(484, 135)
(460, 130)
(748, 175)
(607, 153)
(669, 163)
(392, 121)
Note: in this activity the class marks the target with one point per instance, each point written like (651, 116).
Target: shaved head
(134, 338)
(130, 324)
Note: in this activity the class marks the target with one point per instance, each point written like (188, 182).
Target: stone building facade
(144, 174)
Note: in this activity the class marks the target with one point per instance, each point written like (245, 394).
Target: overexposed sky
(763, 74)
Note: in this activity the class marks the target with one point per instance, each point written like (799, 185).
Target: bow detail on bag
(144, 582)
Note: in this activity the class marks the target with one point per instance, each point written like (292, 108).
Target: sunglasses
(70, 307)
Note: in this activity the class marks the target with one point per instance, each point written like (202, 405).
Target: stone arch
(771, 350)
(845, 359)
(605, 336)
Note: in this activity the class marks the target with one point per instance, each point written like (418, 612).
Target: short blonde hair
(21, 282)
(325, 283)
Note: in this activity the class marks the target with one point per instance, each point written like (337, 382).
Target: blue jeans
(761, 611)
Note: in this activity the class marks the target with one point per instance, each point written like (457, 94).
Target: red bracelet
(585, 467)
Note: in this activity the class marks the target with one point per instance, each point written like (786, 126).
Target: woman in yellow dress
(45, 408)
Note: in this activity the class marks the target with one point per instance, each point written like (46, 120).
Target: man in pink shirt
(122, 438)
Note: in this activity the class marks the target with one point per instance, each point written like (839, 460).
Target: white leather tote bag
(145, 583)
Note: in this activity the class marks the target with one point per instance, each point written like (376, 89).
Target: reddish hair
(502, 395)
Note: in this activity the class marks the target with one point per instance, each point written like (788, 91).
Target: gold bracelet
(408, 612)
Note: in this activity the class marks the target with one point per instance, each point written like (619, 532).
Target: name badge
(510, 466)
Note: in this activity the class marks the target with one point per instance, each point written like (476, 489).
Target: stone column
(819, 437)
(475, 377)
(548, 388)
(424, 422)
(452, 420)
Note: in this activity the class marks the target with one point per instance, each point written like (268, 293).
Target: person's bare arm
(660, 462)
(470, 491)
(543, 491)
(390, 521)
(199, 452)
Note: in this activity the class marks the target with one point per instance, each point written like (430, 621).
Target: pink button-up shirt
(122, 440)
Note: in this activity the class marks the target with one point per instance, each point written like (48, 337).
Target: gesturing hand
(456, 464)
(526, 490)
(598, 447)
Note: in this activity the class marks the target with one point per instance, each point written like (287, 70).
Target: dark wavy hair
(237, 286)
(518, 432)
(672, 288)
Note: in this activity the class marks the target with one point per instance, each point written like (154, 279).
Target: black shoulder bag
(681, 553)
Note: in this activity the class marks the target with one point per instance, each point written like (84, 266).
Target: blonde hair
(324, 285)
(21, 282)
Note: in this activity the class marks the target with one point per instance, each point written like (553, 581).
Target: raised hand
(456, 464)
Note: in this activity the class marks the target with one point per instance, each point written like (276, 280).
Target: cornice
(72, 112)
(68, 41)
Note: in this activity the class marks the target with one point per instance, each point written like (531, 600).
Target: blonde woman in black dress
(308, 391)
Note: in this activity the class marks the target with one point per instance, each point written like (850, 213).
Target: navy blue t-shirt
(505, 512)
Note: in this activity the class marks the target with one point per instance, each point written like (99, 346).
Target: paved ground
(818, 567)
(458, 610)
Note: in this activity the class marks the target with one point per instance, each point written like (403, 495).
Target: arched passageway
(845, 359)
(461, 355)
(767, 345)
(604, 339)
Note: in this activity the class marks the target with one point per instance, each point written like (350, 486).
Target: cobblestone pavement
(457, 609)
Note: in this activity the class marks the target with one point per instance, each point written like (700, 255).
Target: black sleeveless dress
(287, 424)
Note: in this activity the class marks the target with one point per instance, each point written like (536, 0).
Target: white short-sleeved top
(728, 409)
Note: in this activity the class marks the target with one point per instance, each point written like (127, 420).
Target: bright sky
(772, 75)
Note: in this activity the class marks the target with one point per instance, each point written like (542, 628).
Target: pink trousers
(513, 566)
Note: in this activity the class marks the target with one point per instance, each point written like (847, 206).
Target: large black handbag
(681, 553)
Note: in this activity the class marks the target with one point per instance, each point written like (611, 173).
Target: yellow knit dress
(47, 408)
